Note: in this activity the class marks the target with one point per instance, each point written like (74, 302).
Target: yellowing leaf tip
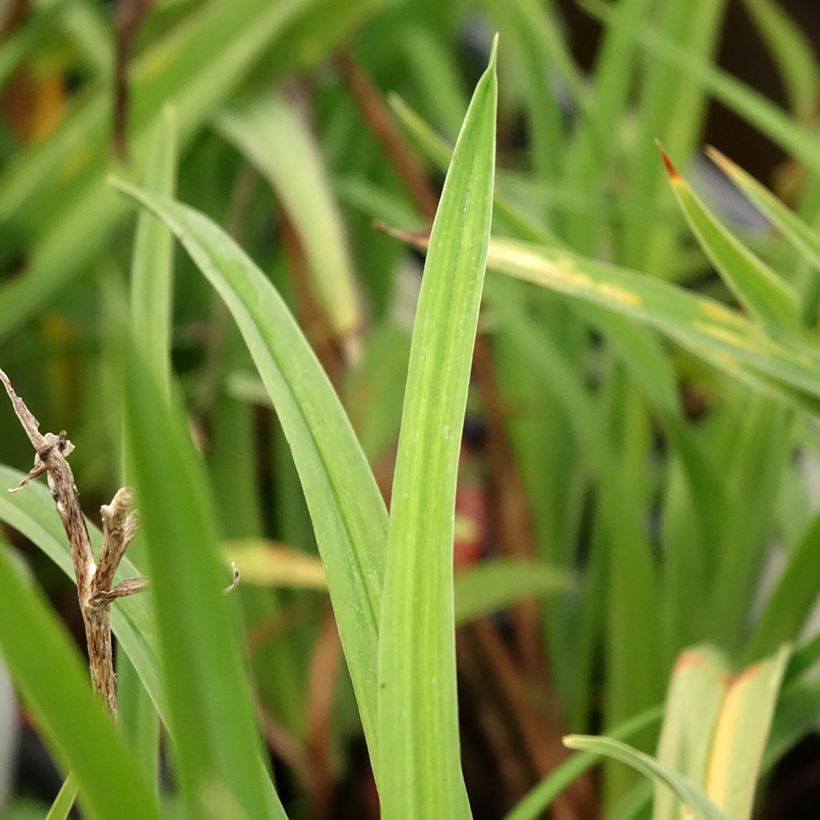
(721, 160)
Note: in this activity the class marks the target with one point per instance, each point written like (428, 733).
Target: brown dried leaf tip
(674, 176)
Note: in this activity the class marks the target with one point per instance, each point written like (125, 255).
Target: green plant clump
(406, 536)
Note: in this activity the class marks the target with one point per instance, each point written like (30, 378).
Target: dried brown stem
(311, 316)
(93, 582)
(377, 117)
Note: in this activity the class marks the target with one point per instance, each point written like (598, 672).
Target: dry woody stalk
(94, 580)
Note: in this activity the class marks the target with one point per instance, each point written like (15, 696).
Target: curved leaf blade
(686, 791)
(348, 513)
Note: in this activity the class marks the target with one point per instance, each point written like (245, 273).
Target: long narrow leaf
(269, 131)
(541, 796)
(754, 284)
(494, 585)
(793, 598)
(218, 751)
(47, 669)
(418, 713)
(348, 512)
(688, 792)
(152, 264)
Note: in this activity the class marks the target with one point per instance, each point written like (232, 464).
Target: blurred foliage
(640, 433)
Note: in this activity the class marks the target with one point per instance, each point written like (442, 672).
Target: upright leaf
(48, 672)
(218, 750)
(741, 734)
(693, 703)
(152, 263)
(418, 711)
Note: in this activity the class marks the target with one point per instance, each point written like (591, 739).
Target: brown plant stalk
(94, 580)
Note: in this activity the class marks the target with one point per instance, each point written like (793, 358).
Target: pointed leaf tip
(721, 160)
(671, 170)
(493, 51)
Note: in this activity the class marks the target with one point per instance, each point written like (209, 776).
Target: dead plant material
(94, 580)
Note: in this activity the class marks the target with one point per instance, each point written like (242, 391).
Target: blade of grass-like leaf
(494, 585)
(792, 52)
(152, 263)
(348, 513)
(752, 106)
(696, 692)
(589, 156)
(688, 792)
(218, 750)
(696, 322)
(541, 796)
(439, 151)
(47, 669)
(64, 801)
(32, 514)
(418, 713)
(640, 351)
(756, 286)
(793, 598)
(196, 67)
(152, 314)
(797, 232)
(787, 366)
(271, 134)
(740, 736)
(795, 716)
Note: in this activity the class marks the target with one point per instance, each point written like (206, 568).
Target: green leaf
(797, 232)
(217, 748)
(64, 801)
(792, 52)
(495, 584)
(793, 598)
(688, 792)
(756, 286)
(741, 733)
(418, 712)
(696, 692)
(540, 797)
(152, 263)
(708, 328)
(771, 120)
(47, 669)
(272, 135)
(347, 510)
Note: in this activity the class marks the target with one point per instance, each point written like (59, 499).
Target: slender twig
(93, 582)
(377, 117)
